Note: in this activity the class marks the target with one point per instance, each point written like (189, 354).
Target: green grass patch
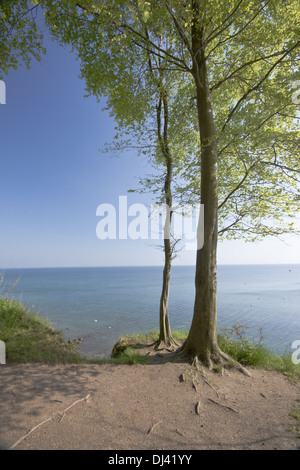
(29, 338)
(128, 356)
(254, 353)
(296, 413)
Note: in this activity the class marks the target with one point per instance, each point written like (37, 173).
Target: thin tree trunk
(165, 335)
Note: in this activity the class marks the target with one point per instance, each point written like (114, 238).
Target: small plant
(6, 290)
(235, 344)
(218, 368)
(295, 413)
(130, 356)
(125, 350)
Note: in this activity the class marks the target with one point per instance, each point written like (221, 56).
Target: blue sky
(53, 178)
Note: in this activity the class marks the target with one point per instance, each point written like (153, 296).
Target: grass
(129, 356)
(28, 338)
(255, 353)
(296, 412)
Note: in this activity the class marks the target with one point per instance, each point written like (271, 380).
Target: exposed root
(75, 403)
(61, 415)
(217, 360)
(229, 361)
(198, 407)
(29, 432)
(168, 345)
(224, 406)
(206, 381)
(153, 426)
(195, 385)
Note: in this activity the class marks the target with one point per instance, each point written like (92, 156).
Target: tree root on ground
(217, 360)
(61, 415)
(169, 345)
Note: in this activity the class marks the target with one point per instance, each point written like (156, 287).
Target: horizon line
(145, 266)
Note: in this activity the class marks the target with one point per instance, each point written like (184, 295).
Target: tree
(212, 28)
(158, 90)
(20, 37)
(162, 118)
(143, 105)
(231, 72)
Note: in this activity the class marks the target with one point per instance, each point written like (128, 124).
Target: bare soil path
(141, 407)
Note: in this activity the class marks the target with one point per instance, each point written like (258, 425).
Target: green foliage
(20, 38)
(129, 50)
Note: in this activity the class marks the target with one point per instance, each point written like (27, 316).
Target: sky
(54, 177)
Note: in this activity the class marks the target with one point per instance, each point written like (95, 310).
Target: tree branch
(146, 41)
(211, 38)
(238, 32)
(246, 64)
(256, 87)
(237, 186)
(179, 27)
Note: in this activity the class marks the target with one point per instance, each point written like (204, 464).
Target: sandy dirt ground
(144, 407)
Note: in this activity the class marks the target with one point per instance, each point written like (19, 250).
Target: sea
(101, 304)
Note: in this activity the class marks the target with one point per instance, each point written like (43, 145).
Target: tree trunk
(165, 336)
(201, 343)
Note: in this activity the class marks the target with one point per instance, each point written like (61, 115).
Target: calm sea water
(101, 304)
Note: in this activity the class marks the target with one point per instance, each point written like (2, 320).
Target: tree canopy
(251, 86)
(20, 38)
